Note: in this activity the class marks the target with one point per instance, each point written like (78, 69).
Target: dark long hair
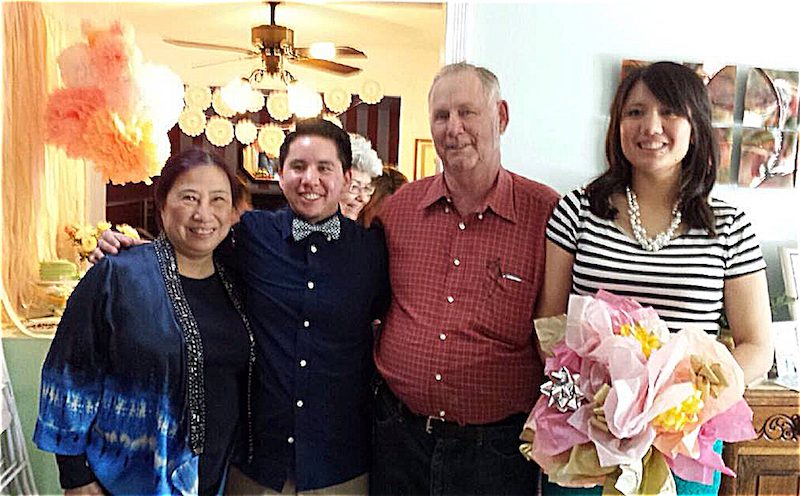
(680, 89)
(181, 162)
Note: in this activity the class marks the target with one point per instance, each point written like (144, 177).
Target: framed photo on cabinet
(790, 262)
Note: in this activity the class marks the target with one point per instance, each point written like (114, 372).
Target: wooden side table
(769, 464)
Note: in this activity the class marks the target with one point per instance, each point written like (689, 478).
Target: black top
(225, 352)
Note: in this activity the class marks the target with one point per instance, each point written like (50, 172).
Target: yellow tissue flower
(103, 225)
(677, 418)
(127, 231)
(88, 244)
(647, 339)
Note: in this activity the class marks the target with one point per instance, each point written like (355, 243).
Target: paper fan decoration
(270, 140)
(371, 92)
(338, 100)
(192, 121)
(220, 107)
(198, 97)
(219, 131)
(278, 105)
(246, 131)
(256, 102)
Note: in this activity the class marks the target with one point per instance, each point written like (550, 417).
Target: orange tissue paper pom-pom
(67, 115)
(123, 151)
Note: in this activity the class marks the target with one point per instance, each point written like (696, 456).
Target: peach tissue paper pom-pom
(76, 69)
(123, 151)
(67, 116)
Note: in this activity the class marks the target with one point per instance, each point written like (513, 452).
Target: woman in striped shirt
(662, 156)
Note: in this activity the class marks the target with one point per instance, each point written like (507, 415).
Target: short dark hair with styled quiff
(324, 129)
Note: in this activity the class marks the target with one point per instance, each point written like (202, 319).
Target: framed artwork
(258, 165)
(425, 160)
(790, 262)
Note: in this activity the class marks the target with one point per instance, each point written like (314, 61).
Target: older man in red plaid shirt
(458, 353)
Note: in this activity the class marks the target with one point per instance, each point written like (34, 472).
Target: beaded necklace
(661, 239)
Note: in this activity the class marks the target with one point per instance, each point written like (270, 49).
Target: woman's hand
(91, 489)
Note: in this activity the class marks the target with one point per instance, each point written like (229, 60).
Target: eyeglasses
(358, 189)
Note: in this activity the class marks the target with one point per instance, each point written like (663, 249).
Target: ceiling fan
(274, 44)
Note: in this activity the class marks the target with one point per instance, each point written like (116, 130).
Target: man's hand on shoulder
(110, 243)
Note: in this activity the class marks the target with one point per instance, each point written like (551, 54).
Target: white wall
(558, 65)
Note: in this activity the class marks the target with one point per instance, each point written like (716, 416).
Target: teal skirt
(684, 487)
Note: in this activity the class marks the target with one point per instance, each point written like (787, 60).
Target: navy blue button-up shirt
(311, 304)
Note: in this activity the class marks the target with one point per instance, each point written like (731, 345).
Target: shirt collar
(500, 198)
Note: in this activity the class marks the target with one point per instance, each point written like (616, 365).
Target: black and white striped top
(683, 281)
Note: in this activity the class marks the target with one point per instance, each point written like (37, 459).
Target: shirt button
(306, 323)
(480, 216)
(299, 403)
(456, 262)
(441, 413)
(290, 440)
(303, 363)
(447, 210)
(442, 336)
(310, 284)
(450, 299)
(462, 226)
(313, 248)
(438, 377)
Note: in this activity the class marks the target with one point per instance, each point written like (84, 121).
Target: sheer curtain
(42, 189)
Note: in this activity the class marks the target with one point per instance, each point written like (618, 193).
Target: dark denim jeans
(409, 461)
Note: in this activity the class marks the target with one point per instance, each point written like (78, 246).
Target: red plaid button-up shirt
(458, 339)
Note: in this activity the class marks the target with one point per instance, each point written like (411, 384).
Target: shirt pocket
(507, 310)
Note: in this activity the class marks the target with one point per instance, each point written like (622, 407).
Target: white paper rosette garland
(192, 121)
(197, 97)
(270, 139)
(219, 105)
(371, 92)
(246, 131)
(219, 131)
(256, 102)
(338, 100)
(278, 105)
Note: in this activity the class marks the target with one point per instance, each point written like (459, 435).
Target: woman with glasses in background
(366, 166)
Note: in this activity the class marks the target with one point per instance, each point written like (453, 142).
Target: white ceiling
(380, 29)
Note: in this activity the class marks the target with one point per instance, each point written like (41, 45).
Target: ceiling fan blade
(219, 62)
(341, 51)
(209, 46)
(327, 65)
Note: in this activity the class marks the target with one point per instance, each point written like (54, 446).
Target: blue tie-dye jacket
(114, 381)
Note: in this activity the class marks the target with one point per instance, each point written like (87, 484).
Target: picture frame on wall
(790, 263)
(425, 163)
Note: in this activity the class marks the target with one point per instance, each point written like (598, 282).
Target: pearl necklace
(661, 239)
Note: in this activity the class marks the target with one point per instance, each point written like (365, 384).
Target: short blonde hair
(490, 83)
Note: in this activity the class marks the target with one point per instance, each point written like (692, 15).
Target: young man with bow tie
(314, 282)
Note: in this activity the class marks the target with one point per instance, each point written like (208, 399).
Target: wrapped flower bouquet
(628, 404)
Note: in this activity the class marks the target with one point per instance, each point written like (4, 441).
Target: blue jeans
(407, 460)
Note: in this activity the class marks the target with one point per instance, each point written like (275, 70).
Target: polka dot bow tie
(302, 229)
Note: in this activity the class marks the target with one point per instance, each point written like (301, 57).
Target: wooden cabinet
(769, 464)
